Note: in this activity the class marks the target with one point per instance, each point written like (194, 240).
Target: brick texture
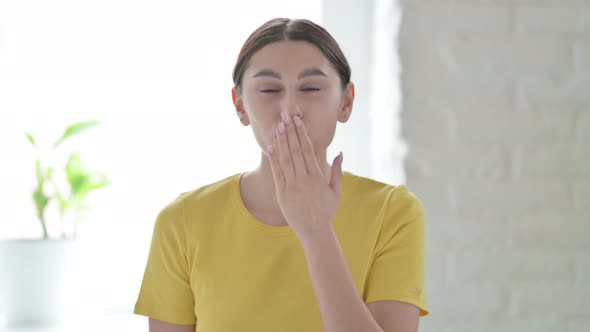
(496, 117)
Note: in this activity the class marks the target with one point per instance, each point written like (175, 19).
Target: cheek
(329, 102)
(321, 129)
(322, 112)
(259, 111)
(264, 123)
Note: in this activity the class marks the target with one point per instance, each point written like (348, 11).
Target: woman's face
(295, 78)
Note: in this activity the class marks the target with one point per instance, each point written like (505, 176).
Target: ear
(347, 102)
(239, 106)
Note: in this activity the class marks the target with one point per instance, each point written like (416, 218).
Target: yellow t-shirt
(213, 264)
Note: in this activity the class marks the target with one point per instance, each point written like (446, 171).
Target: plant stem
(45, 235)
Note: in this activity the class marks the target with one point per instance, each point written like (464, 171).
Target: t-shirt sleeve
(165, 292)
(398, 269)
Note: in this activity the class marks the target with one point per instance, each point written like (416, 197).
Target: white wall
(349, 23)
(496, 114)
(158, 77)
(367, 32)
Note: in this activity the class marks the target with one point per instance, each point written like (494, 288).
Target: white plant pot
(35, 281)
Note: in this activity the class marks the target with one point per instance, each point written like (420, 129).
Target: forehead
(289, 57)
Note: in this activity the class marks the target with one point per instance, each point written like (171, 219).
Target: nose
(290, 107)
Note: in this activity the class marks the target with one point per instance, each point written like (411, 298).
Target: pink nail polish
(287, 119)
(297, 121)
(281, 128)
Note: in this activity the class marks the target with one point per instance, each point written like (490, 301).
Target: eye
(269, 90)
(310, 89)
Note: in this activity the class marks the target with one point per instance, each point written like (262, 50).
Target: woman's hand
(307, 200)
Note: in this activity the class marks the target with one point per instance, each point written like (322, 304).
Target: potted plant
(36, 274)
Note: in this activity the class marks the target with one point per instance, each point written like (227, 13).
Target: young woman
(295, 244)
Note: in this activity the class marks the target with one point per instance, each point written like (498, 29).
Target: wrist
(316, 237)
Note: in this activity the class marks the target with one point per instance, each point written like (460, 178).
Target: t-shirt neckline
(249, 218)
(253, 221)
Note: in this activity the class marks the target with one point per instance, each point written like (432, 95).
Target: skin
(265, 100)
(293, 98)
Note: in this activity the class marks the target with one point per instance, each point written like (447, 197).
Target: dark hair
(280, 29)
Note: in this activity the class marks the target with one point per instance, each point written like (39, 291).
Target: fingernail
(286, 118)
(281, 128)
(297, 121)
(269, 149)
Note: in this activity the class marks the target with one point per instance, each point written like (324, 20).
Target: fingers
(277, 173)
(294, 151)
(306, 147)
(294, 146)
(284, 156)
(336, 174)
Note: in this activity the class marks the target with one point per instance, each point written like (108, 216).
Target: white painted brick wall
(496, 114)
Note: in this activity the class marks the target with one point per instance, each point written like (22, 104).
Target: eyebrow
(306, 73)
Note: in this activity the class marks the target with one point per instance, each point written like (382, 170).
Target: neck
(261, 182)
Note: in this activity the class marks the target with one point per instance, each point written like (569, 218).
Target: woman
(295, 244)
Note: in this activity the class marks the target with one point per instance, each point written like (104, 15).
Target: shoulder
(364, 186)
(211, 191)
(404, 216)
(204, 196)
(403, 200)
(397, 202)
(365, 191)
(361, 182)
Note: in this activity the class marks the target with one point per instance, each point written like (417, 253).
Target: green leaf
(49, 173)
(87, 183)
(75, 129)
(82, 181)
(31, 139)
(74, 168)
(64, 204)
(75, 173)
(41, 201)
(42, 176)
(95, 181)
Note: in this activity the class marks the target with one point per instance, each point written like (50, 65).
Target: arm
(395, 316)
(161, 326)
(300, 183)
(341, 306)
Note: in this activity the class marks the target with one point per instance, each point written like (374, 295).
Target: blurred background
(482, 108)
